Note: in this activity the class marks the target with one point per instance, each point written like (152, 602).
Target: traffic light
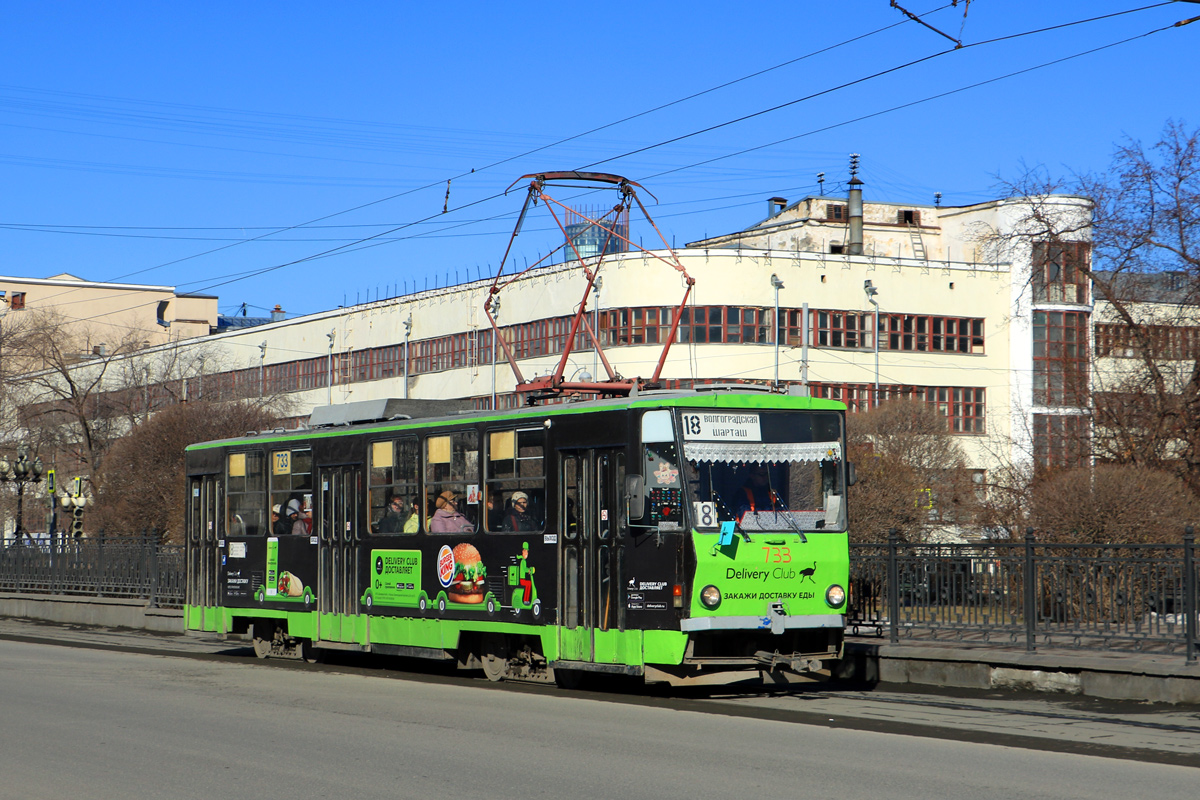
(77, 522)
(50, 484)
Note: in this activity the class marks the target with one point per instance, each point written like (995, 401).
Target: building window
(1060, 370)
(919, 333)
(1171, 342)
(17, 303)
(1060, 440)
(843, 329)
(963, 406)
(836, 248)
(1060, 272)
(908, 216)
(836, 212)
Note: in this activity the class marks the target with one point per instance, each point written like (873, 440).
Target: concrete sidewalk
(1113, 675)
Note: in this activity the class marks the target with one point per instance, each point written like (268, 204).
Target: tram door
(204, 567)
(339, 529)
(591, 482)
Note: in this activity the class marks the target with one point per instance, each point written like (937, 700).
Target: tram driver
(758, 493)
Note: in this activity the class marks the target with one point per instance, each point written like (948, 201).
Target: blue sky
(190, 144)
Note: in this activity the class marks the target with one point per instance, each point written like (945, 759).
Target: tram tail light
(677, 595)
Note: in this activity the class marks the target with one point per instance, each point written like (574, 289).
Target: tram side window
(246, 497)
(516, 480)
(395, 494)
(452, 482)
(291, 486)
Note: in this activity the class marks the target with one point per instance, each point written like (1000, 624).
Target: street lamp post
(22, 471)
(332, 338)
(262, 363)
(407, 334)
(870, 290)
(777, 284)
(599, 282)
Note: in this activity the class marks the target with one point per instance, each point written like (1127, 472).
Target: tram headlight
(710, 596)
(835, 596)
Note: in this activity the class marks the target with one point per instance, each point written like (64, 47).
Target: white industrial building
(974, 319)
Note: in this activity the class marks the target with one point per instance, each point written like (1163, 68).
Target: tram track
(1082, 726)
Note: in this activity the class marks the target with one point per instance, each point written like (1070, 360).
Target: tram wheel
(263, 636)
(493, 654)
(309, 652)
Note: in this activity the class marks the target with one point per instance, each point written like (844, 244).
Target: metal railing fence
(1135, 597)
(137, 567)
(1123, 597)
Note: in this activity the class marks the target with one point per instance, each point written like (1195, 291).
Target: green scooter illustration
(524, 592)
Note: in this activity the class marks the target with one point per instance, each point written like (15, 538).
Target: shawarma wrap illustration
(290, 585)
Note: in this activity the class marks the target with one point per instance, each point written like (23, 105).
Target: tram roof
(716, 397)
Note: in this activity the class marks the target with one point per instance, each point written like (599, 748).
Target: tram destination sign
(719, 427)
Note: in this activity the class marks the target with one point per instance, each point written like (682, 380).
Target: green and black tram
(685, 536)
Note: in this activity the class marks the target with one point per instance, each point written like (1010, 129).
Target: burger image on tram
(467, 583)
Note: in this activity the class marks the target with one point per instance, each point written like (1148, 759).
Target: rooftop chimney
(775, 206)
(277, 313)
(854, 245)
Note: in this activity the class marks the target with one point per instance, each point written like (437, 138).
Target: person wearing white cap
(518, 518)
(279, 525)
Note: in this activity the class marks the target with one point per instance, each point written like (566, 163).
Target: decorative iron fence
(1112, 597)
(138, 567)
(1140, 598)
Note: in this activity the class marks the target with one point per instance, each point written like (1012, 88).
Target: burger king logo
(445, 565)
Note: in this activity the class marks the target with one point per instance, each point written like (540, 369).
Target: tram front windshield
(768, 471)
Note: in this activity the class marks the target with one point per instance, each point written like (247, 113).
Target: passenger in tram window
(446, 516)
(295, 523)
(495, 514)
(395, 517)
(518, 517)
(279, 527)
(306, 516)
(413, 523)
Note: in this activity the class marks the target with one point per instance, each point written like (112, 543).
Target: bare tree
(1112, 503)
(143, 474)
(912, 474)
(1147, 248)
(1142, 380)
(59, 396)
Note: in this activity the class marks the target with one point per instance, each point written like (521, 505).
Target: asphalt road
(81, 722)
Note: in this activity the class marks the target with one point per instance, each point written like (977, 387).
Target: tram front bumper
(775, 621)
